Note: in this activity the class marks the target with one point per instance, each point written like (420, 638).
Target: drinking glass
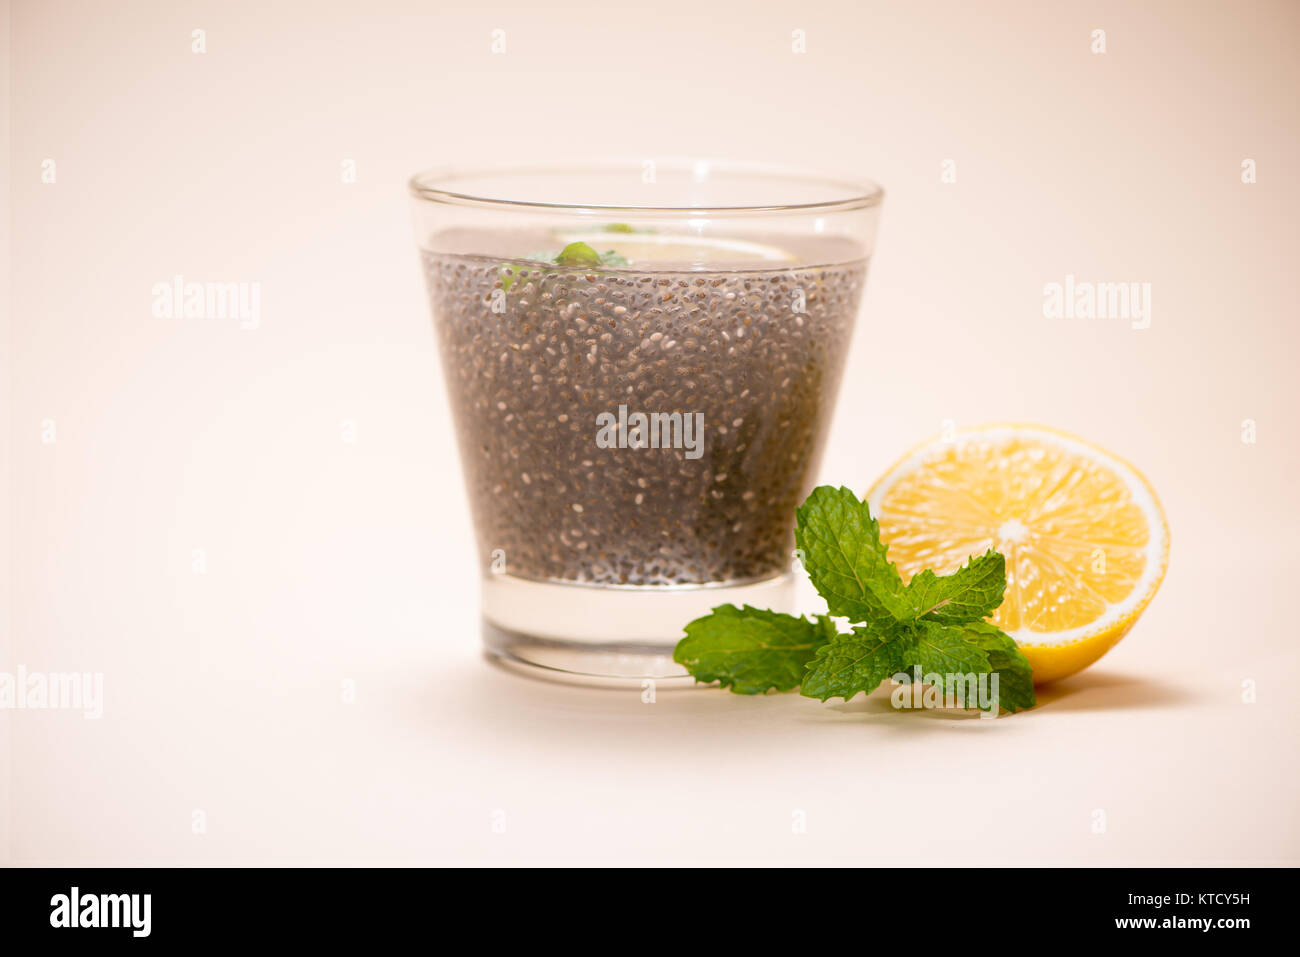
(641, 360)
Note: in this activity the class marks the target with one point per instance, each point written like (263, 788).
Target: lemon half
(1085, 538)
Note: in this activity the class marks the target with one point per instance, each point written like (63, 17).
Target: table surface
(399, 742)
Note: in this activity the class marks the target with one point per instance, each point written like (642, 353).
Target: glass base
(606, 635)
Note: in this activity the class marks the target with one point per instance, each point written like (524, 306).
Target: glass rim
(430, 186)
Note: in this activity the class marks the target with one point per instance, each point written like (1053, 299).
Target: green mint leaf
(577, 254)
(751, 650)
(574, 254)
(846, 560)
(976, 647)
(619, 228)
(971, 593)
(855, 662)
(1015, 676)
(862, 660)
(946, 650)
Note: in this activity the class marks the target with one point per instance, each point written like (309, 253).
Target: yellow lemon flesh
(1084, 536)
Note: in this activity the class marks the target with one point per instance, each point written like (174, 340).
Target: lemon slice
(676, 248)
(1084, 536)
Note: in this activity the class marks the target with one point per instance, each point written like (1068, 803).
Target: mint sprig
(934, 622)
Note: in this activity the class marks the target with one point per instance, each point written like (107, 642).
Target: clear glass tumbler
(642, 360)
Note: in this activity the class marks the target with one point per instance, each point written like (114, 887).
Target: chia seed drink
(754, 355)
(638, 414)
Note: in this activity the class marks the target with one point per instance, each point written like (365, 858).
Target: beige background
(331, 562)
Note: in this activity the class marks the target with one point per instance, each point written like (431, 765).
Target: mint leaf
(580, 254)
(978, 648)
(946, 650)
(1015, 676)
(574, 254)
(971, 593)
(845, 558)
(861, 661)
(751, 650)
(577, 254)
(855, 662)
